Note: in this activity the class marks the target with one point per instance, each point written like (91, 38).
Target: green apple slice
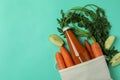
(109, 42)
(56, 40)
(115, 60)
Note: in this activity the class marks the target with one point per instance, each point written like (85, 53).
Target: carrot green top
(93, 19)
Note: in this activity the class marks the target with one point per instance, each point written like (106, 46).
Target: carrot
(97, 51)
(60, 61)
(66, 56)
(88, 47)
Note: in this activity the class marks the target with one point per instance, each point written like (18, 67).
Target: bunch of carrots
(64, 59)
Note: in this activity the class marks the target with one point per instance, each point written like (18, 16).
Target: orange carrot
(60, 61)
(66, 56)
(97, 51)
(88, 47)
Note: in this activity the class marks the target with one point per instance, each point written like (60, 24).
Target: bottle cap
(66, 28)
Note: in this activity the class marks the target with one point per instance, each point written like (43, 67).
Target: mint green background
(25, 52)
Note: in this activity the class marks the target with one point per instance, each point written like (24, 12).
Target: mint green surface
(25, 52)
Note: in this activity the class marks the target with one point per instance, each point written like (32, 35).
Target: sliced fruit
(115, 60)
(109, 41)
(56, 40)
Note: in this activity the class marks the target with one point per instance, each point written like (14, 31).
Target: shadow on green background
(25, 52)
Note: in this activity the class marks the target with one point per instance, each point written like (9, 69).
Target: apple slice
(109, 41)
(56, 40)
(115, 60)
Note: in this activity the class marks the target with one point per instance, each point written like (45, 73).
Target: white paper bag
(95, 69)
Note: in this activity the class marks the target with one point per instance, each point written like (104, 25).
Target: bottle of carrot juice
(78, 51)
